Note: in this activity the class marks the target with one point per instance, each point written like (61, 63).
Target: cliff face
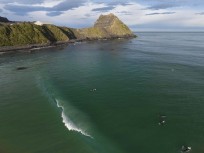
(19, 34)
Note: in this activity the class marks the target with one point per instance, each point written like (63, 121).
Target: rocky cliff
(27, 33)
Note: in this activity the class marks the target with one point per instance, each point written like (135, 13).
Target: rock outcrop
(107, 26)
(3, 19)
(28, 33)
(113, 26)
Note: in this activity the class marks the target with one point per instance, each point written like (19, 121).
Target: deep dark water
(136, 81)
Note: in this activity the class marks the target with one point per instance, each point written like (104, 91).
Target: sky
(139, 15)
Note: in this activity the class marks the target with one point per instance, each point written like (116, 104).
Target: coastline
(33, 47)
(28, 36)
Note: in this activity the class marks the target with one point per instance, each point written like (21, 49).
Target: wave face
(69, 113)
(68, 123)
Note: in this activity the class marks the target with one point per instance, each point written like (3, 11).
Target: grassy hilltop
(27, 33)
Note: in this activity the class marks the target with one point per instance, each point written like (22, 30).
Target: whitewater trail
(68, 123)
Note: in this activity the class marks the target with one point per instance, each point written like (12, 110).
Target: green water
(51, 107)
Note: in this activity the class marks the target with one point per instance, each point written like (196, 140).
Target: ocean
(141, 95)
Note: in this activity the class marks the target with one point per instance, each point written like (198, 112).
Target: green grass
(21, 34)
(28, 33)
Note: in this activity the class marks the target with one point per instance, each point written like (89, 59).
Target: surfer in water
(162, 122)
(93, 90)
(185, 149)
(162, 119)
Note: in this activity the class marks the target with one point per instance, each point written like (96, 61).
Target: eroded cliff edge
(28, 34)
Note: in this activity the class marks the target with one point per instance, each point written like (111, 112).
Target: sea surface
(105, 96)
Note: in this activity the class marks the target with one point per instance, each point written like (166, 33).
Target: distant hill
(3, 19)
(107, 26)
(112, 25)
(28, 33)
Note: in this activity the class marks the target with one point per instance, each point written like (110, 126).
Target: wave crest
(68, 123)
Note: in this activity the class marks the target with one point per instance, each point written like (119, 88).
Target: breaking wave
(68, 113)
(68, 123)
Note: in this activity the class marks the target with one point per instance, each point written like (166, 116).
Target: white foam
(68, 123)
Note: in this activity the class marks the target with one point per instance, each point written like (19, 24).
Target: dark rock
(3, 19)
(21, 68)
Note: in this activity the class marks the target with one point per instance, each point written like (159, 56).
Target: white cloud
(136, 15)
(49, 3)
(72, 17)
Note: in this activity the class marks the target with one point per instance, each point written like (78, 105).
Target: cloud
(161, 6)
(163, 13)
(192, 3)
(87, 15)
(22, 1)
(68, 5)
(54, 13)
(124, 13)
(110, 5)
(201, 13)
(103, 9)
(22, 9)
(113, 2)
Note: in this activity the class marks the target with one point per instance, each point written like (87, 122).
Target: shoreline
(33, 47)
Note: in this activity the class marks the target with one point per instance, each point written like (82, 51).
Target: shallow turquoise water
(52, 107)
